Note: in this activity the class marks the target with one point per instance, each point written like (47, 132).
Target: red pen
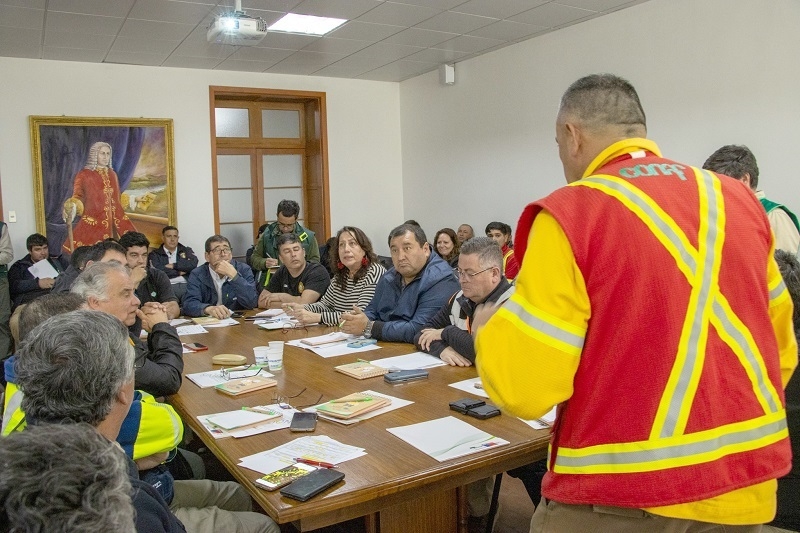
(313, 463)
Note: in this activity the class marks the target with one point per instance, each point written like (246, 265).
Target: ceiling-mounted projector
(237, 28)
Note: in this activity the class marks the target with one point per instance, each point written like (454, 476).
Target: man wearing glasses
(222, 285)
(265, 254)
(448, 334)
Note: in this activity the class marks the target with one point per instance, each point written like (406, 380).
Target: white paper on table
(175, 322)
(397, 403)
(340, 349)
(468, 385)
(241, 417)
(270, 425)
(191, 329)
(276, 323)
(43, 269)
(327, 339)
(271, 313)
(223, 323)
(187, 350)
(446, 438)
(212, 378)
(410, 361)
(316, 448)
(544, 422)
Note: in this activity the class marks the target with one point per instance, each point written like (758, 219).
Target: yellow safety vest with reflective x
(149, 427)
(677, 396)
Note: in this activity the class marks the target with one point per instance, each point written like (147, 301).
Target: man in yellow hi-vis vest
(658, 323)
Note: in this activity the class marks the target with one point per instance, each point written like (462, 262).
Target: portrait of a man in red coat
(96, 201)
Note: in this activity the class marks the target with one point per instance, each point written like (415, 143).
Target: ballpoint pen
(313, 463)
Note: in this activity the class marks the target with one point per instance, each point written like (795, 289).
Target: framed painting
(95, 178)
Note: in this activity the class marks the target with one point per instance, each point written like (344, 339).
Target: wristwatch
(368, 330)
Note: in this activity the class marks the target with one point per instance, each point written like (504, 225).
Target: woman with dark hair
(447, 246)
(356, 272)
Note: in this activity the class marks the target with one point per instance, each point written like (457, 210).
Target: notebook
(236, 387)
(361, 370)
(353, 405)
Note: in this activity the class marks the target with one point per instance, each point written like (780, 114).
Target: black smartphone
(237, 314)
(404, 376)
(303, 422)
(464, 405)
(195, 346)
(483, 412)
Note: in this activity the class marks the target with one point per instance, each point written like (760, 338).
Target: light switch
(12, 216)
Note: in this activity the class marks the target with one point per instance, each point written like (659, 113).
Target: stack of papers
(335, 348)
(223, 323)
(446, 438)
(283, 420)
(410, 361)
(320, 448)
(212, 378)
(191, 329)
(270, 313)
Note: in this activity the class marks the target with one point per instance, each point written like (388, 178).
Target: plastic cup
(274, 360)
(260, 353)
(276, 346)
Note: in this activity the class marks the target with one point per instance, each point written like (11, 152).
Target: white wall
(708, 72)
(363, 135)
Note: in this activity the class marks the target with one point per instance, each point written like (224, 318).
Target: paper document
(409, 362)
(397, 403)
(175, 322)
(191, 329)
(333, 350)
(316, 448)
(271, 313)
(43, 269)
(212, 378)
(446, 438)
(469, 385)
(223, 323)
(544, 422)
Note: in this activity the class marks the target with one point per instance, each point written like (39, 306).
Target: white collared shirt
(172, 257)
(218, 281)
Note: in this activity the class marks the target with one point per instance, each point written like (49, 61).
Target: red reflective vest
(678, 393)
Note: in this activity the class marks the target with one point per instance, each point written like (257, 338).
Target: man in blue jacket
(221, 285)
(409, 294)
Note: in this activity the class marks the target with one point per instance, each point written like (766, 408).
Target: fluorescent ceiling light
(310, 25)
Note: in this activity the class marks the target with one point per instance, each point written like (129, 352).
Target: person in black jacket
(175, 260)
(108, 287)
(24, 286)
(448, 334)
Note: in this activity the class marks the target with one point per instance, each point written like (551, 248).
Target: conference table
(395, 486)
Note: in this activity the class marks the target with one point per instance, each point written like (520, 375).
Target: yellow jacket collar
(619, 148)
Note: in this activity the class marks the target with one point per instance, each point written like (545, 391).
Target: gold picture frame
(110, 175)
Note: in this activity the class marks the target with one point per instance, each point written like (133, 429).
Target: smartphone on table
(195, 346)
(303, 422)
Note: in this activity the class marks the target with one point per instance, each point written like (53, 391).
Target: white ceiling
(383, 40)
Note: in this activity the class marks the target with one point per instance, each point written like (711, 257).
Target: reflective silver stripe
(14, 405)
(672, 452)
(737, 336)
(679, 395)
(777, 291)
(651, 214)
(545, 327)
